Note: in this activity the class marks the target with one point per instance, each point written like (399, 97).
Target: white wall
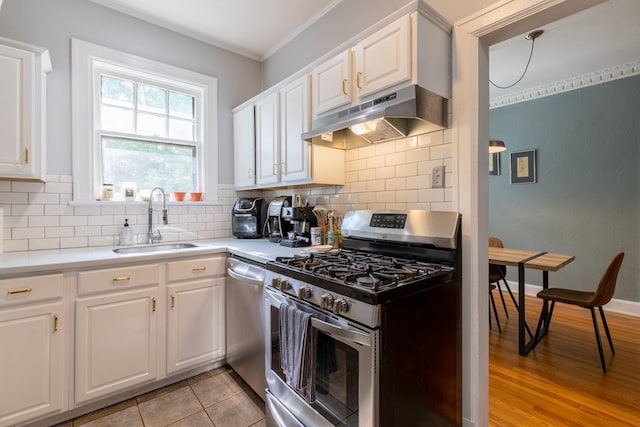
(52, 24)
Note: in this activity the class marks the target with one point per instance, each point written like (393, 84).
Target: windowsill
(100, 203)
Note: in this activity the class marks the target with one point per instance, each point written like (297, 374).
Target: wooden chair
(498, 273)
(495, 310)
(590, 300)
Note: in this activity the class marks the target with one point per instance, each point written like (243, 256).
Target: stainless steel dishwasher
(245, 322)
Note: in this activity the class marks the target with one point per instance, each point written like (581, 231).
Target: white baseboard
(630, 308)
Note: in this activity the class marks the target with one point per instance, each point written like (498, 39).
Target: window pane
(151, 98)
(181, 105)
(152, 125)
(117, 91)
(181, 129)
(149, 164)
(116, 119)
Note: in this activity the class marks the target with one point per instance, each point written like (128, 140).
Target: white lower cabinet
(195, 324)
(116, 330)
(134, 325)
(195, 312)
(128, 318)
(33, 380)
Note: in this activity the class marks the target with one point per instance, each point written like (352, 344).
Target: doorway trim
(472, 37)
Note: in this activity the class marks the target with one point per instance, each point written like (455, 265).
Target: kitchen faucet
(165, 220)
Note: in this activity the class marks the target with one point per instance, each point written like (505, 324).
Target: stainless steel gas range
(386, 324)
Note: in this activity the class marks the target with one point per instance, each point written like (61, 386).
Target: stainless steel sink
(166, 247)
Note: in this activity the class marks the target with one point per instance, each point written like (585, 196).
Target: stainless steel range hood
(409, 111)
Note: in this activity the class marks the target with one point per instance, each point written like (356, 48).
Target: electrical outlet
(437, 177)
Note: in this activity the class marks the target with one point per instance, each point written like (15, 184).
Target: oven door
(346, 386)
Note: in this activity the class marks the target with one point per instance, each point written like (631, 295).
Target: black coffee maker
(275, 229)
(301, 219)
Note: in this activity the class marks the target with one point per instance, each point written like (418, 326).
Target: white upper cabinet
(282, 156)
(244, 147)
(23, 71)
(295, 119)
(302, 162)
(384, 58)
(332, 83)
(410, 50)
(267, 140)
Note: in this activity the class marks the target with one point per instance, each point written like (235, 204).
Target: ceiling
(604, 36)
(601, 37)
(224, 23)
(253, 28)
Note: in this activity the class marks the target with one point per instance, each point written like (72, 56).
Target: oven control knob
(275, 282)
(284, 285)
(340, 306)
(326, 301)
(304, 292)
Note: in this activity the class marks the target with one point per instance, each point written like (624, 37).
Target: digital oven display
(388, 220)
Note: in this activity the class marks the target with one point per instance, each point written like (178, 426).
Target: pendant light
(496, 146)
(533, 35)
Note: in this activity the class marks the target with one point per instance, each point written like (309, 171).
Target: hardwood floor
(560, 382)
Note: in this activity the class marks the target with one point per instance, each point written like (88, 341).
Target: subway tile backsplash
(39, 216)
(392, 175)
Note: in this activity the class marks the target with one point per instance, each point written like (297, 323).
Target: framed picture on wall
(494, 164)
(523, 167)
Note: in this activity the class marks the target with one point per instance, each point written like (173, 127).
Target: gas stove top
(370, 278)
(371, 272)
(385, 256)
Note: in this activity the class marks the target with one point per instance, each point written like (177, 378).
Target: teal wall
(587, 198)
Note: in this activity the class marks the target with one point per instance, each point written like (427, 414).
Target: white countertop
(15, 263)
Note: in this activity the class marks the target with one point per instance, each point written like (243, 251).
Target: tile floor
(217, 398)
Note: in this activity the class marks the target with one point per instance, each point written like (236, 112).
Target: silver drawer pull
(20, 291)
(121, 279)
(196, 269)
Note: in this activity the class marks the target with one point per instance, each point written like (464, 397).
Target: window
(145, 123)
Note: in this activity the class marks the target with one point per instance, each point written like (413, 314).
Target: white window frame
(88, 61)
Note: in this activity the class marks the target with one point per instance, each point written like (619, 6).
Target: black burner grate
(361, 269)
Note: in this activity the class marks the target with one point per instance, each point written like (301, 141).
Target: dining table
(536, 260)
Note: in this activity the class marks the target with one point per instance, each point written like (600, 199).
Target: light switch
(437, 177)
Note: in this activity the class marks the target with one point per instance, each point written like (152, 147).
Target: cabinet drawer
(196, 268)
(117, 278)
(23, 290)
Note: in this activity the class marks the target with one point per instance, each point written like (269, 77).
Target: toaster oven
(247, 218)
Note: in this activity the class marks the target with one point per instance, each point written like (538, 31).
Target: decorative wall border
(578, 82)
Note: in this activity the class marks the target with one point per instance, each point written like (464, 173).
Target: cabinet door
(295, 118)
(331, 83)
(195, 323)
(32, 363)
(116, 342)
(19, 156)
(244, 148)
(384, 58)
(267, 140)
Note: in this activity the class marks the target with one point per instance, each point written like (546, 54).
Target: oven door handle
(343, 332)
(338, 329)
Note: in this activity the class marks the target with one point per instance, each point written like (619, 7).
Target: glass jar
(107, 192)
(332, 239)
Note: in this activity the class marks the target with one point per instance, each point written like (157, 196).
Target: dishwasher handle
(238, 276)
(245, 272)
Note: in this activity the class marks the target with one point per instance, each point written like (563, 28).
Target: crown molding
(579, 82)
(434, 16)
